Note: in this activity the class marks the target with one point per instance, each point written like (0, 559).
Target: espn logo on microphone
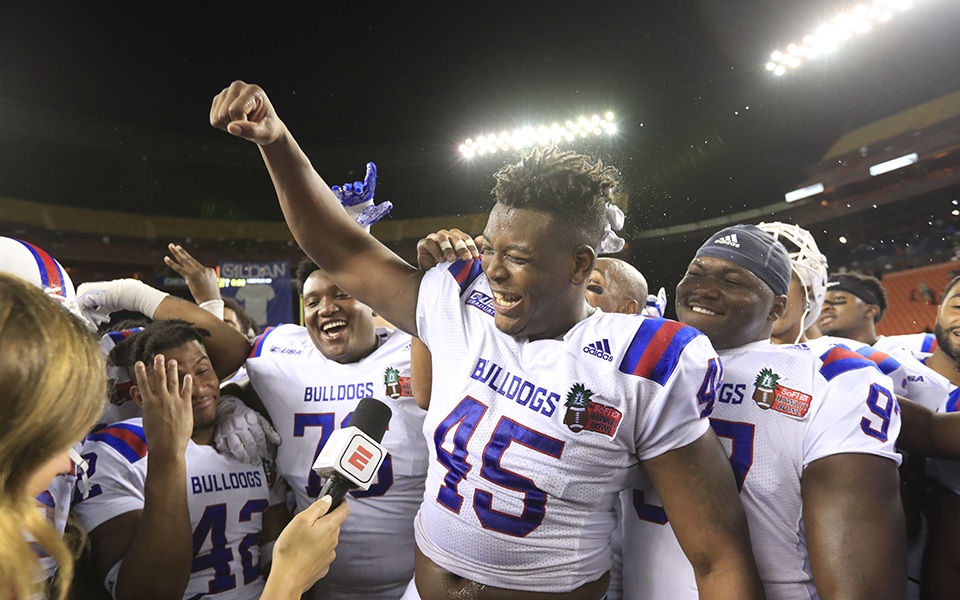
(353, 455)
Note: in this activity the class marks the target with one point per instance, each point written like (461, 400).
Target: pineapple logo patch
(769, 394)
(584, 413)
(396, 386)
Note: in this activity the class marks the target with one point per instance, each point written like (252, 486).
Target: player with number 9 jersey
(779, 409)
(308, 396)
(531, 441)
(226, 499)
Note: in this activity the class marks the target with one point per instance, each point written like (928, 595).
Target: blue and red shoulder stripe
(465, 272)
(655, 349)
(929, 343)
(258, 343)
(886, 363)
(839, 360)
(952, 400)
(126, 438)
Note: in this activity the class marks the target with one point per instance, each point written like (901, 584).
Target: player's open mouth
(703, 311)
(333, 329)
(505, 301)
(826, 319)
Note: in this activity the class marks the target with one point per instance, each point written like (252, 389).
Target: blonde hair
(52, 390)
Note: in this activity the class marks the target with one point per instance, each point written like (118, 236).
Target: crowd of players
(546, 440)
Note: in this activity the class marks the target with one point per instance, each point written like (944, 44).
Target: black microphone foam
(371, 417)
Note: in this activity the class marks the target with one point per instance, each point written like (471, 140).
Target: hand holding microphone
(352, 456)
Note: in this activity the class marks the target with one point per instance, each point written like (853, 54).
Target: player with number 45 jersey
(810, 435)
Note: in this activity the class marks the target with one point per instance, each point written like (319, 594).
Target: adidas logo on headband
(729, 240)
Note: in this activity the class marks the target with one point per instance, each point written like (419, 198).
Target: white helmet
(807, 262)
(33, 264)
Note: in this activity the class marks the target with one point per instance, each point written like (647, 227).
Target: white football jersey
(779, 409)
(226, 498)
(533, 440)
(907, 374)
(919, 382)
(308, 396)
(54, 503)
(904, 370)
(946, 472)
(922, 343)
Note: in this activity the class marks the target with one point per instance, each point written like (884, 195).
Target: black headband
(845, 283)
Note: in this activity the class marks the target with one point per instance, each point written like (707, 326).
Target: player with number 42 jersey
(226, 500)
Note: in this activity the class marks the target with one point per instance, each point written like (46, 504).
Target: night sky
(105, 104)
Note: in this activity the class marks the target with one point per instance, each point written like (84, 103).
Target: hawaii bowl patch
(769, 394)
(585, 414)
(396, 386)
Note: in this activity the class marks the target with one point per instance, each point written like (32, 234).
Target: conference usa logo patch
(481, 301)
(396, 386)
(585, 414)
(770, 395)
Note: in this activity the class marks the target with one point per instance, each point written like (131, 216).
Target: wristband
(214, 307)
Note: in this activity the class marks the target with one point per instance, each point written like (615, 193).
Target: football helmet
(32, 263)
(807, 262)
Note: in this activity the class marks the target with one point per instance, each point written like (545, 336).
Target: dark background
(104, 105)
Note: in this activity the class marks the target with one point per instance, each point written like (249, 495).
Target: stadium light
(831, 35)
(804, 192)
(541, 135)
(893, 165)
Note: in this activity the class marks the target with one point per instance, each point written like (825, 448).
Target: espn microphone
(352, 456)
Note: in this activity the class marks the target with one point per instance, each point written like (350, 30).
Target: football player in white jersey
(937, 435)
(614, 286)
(193, 526)
(532, 436)
(310, 380)
(811, 442)
(804, 301)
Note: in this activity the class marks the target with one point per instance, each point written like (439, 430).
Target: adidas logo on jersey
(729, 240)
(600, 349)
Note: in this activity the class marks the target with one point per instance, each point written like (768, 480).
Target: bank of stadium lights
(831, 35)
(527, 137)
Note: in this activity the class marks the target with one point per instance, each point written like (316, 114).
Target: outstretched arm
(698, 491)
(852, 510)
(226, 346)
(357, 262)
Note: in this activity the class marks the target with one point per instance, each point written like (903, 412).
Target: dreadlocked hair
(572, 187)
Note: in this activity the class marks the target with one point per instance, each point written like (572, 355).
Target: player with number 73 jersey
(779, 409)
